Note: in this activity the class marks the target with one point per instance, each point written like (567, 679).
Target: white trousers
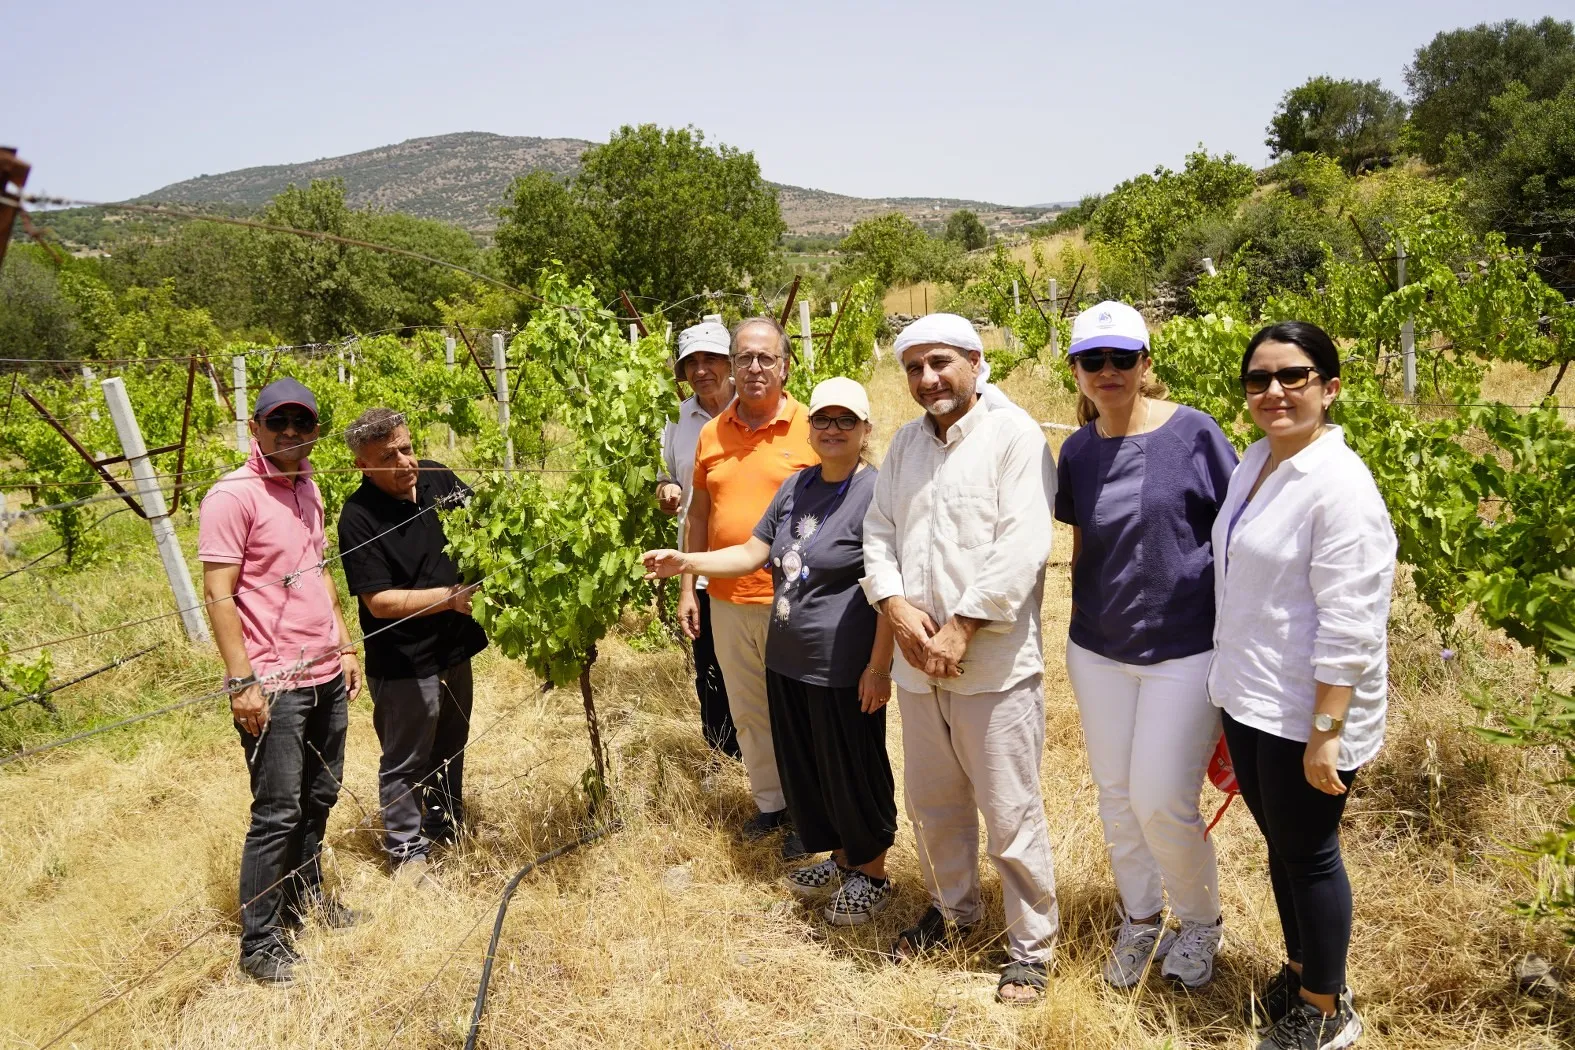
(971, 754)
(1150, 731)
(739, 634)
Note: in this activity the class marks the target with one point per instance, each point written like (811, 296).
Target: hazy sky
(1013, 103)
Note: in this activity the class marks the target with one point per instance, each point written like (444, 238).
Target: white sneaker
(1191, 961)
(1138, 946)
(817, 880)
(858, 900)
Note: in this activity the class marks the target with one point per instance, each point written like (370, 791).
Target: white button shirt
(961, 526)
(680, 438)
(1302, 593)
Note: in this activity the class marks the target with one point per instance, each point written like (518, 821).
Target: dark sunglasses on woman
(1094, 360)
(820, 422)
(1294, 378)
(279, 422)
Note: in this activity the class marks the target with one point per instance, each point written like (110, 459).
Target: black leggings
(1302, 827)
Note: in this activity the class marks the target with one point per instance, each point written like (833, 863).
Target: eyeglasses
(1094, 360)
(1294, 378)
(764, 362)
(279, 422)
(820, 422)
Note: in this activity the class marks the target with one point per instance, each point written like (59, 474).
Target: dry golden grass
(669, 933)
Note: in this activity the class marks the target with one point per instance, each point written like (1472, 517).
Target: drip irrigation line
(485, 983)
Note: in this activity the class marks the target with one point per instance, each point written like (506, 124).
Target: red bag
(1223, 776)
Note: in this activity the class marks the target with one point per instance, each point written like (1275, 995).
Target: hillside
(462, 179)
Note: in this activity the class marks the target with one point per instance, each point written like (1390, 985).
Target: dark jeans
(295, 766)
(1302, 828)
(423, 725)
(834, 768)
(716, 721)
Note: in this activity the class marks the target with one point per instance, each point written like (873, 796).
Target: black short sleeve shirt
(392, 544)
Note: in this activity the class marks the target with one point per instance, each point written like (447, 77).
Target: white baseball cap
(708, 336)
(1108, 325)
(840, 392)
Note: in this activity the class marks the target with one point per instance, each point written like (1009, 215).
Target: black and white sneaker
(858, 900)
(1304, 1027)
(817, 880)
(1263, 1010)
(274, 964)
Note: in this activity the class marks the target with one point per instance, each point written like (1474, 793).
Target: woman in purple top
(1141, 484)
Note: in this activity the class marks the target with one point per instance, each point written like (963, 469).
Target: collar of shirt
(786, 412)
(960, 429)
(1307, 461)
(264, 468)
(692, 407)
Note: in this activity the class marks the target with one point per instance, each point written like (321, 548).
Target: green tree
(415, 286)
(1454, 78)
(654, 212)
(1147, 214)
(892, 249)
(1356, 122)
(963, 228)
(214, 268)
(37, 317)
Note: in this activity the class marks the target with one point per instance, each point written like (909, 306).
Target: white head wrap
(949, 329)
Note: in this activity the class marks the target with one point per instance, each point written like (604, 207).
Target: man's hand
(660, 564)
(249, 708)
(947, 647)
(912, 628)
(668, 495)
(350, 664)
(459, 597)
(689, 613)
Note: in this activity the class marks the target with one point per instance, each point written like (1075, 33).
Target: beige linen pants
(967, 754)
(739, 633)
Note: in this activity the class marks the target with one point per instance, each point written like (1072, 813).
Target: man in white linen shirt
(704, 362)
(955, 543)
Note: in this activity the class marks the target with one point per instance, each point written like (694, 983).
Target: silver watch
(1327, 723)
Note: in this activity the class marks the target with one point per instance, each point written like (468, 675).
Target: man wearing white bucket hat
(705, 363)
(955, 543)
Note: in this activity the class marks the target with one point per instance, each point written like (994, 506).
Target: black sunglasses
(820, 422)
(1293, 378)
(1094, 360)
(279, 422)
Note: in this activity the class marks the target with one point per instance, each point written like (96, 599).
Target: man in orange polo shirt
(743, 456)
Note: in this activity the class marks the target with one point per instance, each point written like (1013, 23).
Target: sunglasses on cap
(1294, 378)
(820, 422)
(1094, 360)
(280, 421)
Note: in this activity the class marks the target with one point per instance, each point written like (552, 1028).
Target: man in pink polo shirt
(289, 668)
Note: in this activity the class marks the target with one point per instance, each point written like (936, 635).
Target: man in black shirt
(415, 615)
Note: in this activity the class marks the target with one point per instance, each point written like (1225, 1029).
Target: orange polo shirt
(741, 470)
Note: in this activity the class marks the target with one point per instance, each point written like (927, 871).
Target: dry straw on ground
(671, 933)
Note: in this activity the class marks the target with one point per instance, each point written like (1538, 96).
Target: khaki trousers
(971, 754)
(739, 633)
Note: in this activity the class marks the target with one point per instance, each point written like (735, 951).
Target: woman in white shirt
(1304, 560)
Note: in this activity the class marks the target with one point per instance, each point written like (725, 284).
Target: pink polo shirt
(255, 518)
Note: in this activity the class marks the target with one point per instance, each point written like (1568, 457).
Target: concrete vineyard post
(158, 514)
(238, 377)
(1208, 267)
(341, 364)
(634, 335)
(1407, 330)
(1017, 299)
(448, 361)
(1055, 330)
(500, 372)
(803, 327)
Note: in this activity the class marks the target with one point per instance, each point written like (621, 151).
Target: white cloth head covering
(950, 329)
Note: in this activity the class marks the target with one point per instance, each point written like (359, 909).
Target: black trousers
(835, 773)
(1302, 828)
(716, 721)
(296, 766)
(423, 725)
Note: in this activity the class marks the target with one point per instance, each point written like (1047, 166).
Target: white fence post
(238, 376)
(1208, 267)
(89, 377)
(1407, 330)
(803, 327)
(500, 373)
(634, 335)
(158, 514)
(1055, 329)
(448, 360)
(1017, 299)
(341, 364)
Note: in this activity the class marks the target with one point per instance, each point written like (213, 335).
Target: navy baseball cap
(284, 392)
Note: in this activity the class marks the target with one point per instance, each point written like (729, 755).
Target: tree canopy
(963, 228)
(1356, 122)
(654, 212)
(893, 249)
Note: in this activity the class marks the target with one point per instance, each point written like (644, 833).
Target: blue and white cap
(1108, 326)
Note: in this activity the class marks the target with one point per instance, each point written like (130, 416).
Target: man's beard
(945, 406)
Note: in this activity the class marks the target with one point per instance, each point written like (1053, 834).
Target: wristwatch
(235, 685)
(1327, 723)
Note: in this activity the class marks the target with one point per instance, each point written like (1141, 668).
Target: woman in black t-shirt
(828, 659)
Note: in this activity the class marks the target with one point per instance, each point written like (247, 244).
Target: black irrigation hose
(503, 909)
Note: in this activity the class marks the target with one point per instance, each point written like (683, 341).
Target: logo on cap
(1104, 317)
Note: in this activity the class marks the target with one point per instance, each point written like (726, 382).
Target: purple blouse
(1143, 587)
